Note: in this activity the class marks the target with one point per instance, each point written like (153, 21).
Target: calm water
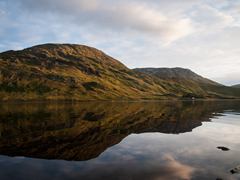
(137, 140)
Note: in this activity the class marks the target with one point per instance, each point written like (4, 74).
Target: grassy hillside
(76, 72)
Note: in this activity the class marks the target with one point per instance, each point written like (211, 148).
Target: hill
(77, 72)
(198, 85)
(64, 71)
(176, 74)
(236, 86)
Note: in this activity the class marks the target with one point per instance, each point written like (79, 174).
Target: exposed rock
(223, 148)
(235, 170)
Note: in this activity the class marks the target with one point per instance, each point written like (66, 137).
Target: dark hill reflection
(83, 131)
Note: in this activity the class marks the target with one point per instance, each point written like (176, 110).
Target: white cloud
(208, 19)
(119, 16)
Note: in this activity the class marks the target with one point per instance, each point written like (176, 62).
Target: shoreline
(110, 100)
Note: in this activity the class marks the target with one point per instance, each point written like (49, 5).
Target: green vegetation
(76, 72)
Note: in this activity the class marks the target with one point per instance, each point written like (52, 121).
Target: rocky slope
(77, 72)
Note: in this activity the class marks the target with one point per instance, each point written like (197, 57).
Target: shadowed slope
(194, 84)
(236, 86)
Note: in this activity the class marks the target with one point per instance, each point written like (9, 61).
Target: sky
(202, 35)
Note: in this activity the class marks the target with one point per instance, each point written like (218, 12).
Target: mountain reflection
(83, 131)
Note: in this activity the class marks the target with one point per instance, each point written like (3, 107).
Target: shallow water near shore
(120, 140)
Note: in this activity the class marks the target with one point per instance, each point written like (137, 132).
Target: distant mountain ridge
(236, 86)
(177, 74)
(78, 72)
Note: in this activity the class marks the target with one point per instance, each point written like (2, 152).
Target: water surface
(120, 140)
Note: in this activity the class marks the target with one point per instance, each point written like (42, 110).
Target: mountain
(77, 72)
(185, 78)
(177, 74)
(236, 86)
(65, 71)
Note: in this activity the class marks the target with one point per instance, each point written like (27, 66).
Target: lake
(120, 140)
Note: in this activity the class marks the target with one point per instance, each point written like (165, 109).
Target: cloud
(209, 20)
(118, 16)
(178, 169)
(231, 78)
